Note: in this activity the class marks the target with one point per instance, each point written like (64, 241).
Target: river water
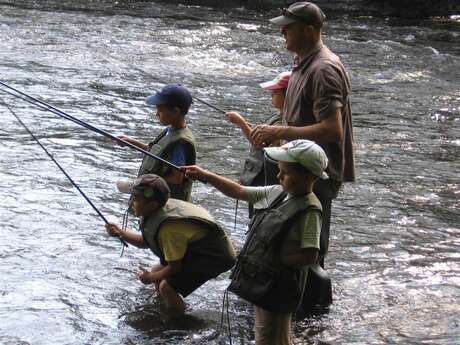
(395, 240)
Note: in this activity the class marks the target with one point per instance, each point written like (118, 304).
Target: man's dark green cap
(305, 12)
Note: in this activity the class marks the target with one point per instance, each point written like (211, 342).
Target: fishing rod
(47, 107)
(194, 97)
(60, 168)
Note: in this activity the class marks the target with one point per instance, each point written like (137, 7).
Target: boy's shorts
(186, 282)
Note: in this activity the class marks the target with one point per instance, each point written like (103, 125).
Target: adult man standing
(317, 105)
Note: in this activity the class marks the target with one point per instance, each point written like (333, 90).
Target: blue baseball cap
(172, 94)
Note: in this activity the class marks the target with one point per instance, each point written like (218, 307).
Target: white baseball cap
(305, 152)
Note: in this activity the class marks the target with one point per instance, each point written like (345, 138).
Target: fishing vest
(160, 147)
(212, 254)
(257, 171)
(259, 275)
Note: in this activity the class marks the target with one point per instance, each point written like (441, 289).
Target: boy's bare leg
(271, 328)
(156, 268)
(174, 302)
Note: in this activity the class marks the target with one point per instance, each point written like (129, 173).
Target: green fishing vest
(210, 255)
(259, 275)
(160, 147)
(253, 173)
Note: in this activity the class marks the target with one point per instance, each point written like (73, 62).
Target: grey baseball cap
(306, 12)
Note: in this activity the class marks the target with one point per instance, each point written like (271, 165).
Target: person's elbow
(309, 256)
(332, 126)
(305, 257)
(174, 266)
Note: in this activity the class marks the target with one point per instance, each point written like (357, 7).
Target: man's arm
(328, 130)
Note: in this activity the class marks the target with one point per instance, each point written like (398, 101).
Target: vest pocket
(252, 280)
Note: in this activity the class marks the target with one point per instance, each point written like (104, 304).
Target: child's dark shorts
(186, 282)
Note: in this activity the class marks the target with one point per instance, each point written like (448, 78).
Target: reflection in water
(394, 256)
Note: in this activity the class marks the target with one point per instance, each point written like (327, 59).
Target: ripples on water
(395, 243)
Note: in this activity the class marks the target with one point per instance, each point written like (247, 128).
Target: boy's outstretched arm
(228, 187)
(131, 237)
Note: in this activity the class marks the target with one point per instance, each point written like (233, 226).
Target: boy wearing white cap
(283, 237)
(258, 171)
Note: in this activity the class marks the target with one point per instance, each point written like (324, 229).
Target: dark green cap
(305, 12)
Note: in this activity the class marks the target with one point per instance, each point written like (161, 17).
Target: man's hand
(262, 135)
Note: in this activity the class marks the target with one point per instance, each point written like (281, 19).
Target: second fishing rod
(47, 107)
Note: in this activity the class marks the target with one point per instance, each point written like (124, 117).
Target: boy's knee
(164, 287)
(166, 290)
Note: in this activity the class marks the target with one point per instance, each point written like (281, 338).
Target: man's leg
(318, 290)
(326, 191)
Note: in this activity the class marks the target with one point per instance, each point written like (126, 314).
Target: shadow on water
(148, 314)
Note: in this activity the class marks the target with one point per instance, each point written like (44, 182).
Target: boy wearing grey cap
(191, 246)
(176, 143)
(283, 238)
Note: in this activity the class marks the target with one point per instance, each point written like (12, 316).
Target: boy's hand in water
(194, 171)
(146, 277)
(113, 230)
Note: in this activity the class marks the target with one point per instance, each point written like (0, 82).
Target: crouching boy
(283, 237)
(191, 246)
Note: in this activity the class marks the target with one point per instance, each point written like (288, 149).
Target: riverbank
(393, 8)
(407, 9)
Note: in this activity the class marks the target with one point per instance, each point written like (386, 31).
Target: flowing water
(395, 239)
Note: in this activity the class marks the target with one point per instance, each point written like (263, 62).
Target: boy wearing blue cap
(176, 143)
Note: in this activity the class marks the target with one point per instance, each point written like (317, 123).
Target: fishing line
(47, 107)
(222, 316)
(163, 82)
(61, 168)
